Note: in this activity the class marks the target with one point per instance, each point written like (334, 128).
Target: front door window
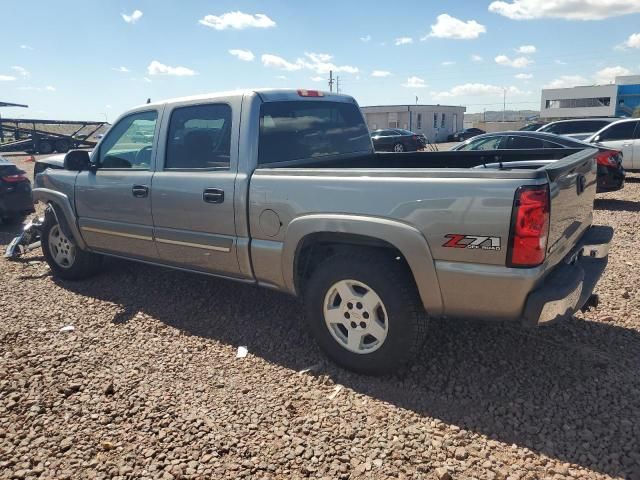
(129, 143)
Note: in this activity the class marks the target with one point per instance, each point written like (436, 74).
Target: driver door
(113, 203)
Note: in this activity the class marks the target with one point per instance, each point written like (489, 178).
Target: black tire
(45, 147)
(391, 281)
(398, 147)
(62, 145)
(84, 265)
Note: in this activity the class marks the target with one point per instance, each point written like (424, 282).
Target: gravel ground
(148, 384)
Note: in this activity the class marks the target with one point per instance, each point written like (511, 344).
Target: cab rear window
(300, 130)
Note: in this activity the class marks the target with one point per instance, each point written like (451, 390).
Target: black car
(465, 134)
(15, 193)
(397, 140)
(532, 127)
(611, 174)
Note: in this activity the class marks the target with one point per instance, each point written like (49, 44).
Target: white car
(623, 135)
(578, 128)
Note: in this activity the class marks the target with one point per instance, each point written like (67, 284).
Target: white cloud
(23, 72)
(527, 49)
(157, 68)
(566, 9)
(477, 58)
(609, 74)
(244, 55)
(281, 77)
(133, 18)
(524, 76)
(477, 89)
(317, 78)
(380, 73)
(450, 27)
(366, 38)
(26, 47)
(146, 79)
(519, 62)
(403, 41)
(567, 81)
(121, 69)
(448, 63)
(414, 82)
(50, 88)
(280, 63)
(560, 62)
(7, 78)
(633, 41)
(320, 63)
(237, 21)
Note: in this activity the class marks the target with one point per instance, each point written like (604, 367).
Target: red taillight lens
(20, 177)
(415, 137)
(529, 227)
(310, 93)
(608, 158)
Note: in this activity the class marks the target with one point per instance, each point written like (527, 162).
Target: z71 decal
(478, 242)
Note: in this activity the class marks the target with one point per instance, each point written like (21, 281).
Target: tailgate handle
(213, 195)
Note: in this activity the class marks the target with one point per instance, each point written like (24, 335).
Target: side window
(619, 131)
(521, 143)
(442, 121)
(129, 142)
(199, 137)
(419, 121)
(486, 143)
(558, 129)
(547, 144)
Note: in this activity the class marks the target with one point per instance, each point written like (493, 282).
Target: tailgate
(573, 182)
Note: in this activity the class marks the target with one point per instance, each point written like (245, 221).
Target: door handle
(140, 191)
(213, 195)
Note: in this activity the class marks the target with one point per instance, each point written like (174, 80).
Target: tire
(65, 259)
(62, 145)
(45, 147)
(398, 147)
(385, 338)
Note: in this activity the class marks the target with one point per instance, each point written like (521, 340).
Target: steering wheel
(139, 160)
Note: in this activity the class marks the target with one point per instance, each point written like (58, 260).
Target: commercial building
(618, 99)
(435, 122)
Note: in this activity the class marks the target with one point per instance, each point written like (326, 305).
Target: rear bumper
(610, 178)
(16, 199)
(568, 287)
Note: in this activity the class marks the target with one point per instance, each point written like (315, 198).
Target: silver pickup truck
(282, 188)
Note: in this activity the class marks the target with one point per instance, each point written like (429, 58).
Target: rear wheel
(398, 147)
(62, 145)
(64, 257)
(45, 147)
(365, 312)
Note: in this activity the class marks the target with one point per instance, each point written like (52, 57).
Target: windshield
(299, 130)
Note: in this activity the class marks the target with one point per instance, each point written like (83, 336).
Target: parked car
(15, 193)
(579, 129)
(622, 135)
(532, 127)
(611, 174)
(283, 189)
(397, 140)
(464, 134)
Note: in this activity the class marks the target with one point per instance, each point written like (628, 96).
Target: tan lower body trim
(116, 234)
(194, 245)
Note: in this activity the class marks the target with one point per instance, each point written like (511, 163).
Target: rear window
(299, 130)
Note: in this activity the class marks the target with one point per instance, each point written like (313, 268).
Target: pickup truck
(283, 189)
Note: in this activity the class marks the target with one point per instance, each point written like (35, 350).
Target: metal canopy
(7, 104)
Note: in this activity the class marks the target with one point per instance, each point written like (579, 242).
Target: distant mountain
(496, 116)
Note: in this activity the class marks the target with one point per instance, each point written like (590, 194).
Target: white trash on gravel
(242, 352)
(67, 328)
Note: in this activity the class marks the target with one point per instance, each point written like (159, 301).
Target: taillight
(608, 158)
(310, 93)
(20, 177)
(415, 137)
(529, 227)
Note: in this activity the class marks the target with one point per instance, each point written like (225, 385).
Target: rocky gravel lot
(148, 385)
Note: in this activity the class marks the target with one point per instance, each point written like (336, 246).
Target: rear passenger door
(193, 188)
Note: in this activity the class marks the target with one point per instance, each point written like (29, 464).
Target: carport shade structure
(8, 104)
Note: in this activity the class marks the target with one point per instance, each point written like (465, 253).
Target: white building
(435, 122)
(613, 100)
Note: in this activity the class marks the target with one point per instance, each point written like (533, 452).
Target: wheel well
(317, 247)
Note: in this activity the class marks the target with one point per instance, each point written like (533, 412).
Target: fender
(63, 211)
(407, 239)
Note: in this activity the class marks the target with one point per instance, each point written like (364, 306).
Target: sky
(94, 59)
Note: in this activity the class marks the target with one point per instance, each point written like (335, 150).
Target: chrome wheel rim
(398, 148)
(62, 250)
(356, 316)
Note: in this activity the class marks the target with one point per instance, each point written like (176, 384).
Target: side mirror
(596, 139)
(77, 160)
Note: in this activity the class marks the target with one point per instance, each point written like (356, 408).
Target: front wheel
(398, 147)
(65, 259)
(365, 312)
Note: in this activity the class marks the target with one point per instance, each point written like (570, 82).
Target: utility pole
(504, 103)
(331, 80)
